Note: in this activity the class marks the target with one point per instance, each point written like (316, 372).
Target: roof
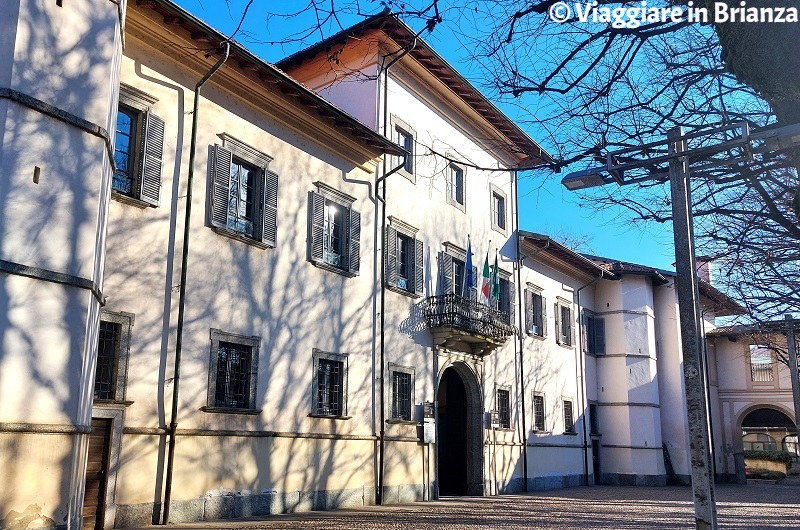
(737, 330)
(268, 74)
(722, 304)
(532, 243)
(401, 33)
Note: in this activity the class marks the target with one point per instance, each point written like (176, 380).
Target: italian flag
(486, 283)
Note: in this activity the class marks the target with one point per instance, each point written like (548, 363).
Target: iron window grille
(504, 408)
(329, 387)
(107, 354)
(401, 395)
(538, 413)
(233, 375)
(761, 364)
(569, 421)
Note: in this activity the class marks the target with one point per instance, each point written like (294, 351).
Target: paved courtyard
(752, 507)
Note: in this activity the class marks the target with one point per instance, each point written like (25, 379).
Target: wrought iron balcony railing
(456, 312)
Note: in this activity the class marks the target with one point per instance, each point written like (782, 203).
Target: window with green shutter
(243, 194)
(535, 312)
(404, 254)
(334, 241)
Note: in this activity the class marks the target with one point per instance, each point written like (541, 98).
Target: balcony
(461, 324)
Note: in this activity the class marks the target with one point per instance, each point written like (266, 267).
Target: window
(535, 312)
(233, 371)
(335, 231)
(330, 384)
(404, 258)
(244, 193)
(113, 346)
(402, 392)
(504, 302)
(504, 407)
(594, 419)
(538, 412)
(569, 422)
(595, 334)
(404, 136)
(452, 272)
(498, 208)
(761, 364)
(456, 187)
(138, 148)
(563, 324)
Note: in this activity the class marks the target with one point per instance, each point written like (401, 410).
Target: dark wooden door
(96, 474)
(596, 460)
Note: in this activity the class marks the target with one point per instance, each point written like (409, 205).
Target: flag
(469, 277)
(495, 284)
(486, 285)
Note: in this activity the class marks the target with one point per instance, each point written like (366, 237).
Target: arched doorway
(458, 433)
(766, 429)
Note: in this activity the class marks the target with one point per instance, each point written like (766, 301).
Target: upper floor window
(563, 324)
(761, 364)
(404, 258)
(405, 136)
(535, 312)
(138, 148)
(452, 273)
(456, 187)
(233, 371)
(244, 193)
(113, 345)
(504, 407)
(335, 230)
(506, 294)
(594, 419)
(498, 207)
(595, 334)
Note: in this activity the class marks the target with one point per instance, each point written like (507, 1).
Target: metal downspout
(579, 354)
(521, 332)
(382, 199)
(173, 424)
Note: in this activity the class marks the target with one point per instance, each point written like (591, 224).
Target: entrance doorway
(96, 474)
(459, 434)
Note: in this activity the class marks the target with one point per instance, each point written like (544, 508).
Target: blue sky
(545, 206)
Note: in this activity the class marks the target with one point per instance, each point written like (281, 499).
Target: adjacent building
(304, 327)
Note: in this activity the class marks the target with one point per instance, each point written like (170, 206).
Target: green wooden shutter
(152, 151)
(269, 234)
(529, 322)
(445, 273)
(316, 224)
(544, 317)
(558, 323)
(511, 302)
(354, 247)
(390, 245)
(600, 335)
(419, 267)
(569, 335)
(221, 160)
(473, 293)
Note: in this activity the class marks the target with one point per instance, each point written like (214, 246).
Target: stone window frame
(416, 282)
(122, 355)
(254, 342)
(448, 186)
(571, 401)
(536, 428)
(504, 388)
(394, 367)
(343, 358)
(495, 190)
(560, 304)
(400, 126)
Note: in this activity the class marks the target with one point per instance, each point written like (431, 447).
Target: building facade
(305, 326)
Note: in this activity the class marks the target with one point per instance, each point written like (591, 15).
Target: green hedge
(774, 456)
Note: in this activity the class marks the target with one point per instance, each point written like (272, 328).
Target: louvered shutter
(419, 267)
(354, 247)
(529, 322)
(512, 299)
(445, 273)
(221, 160)
(569, 335)
(473, 293)
(390, 244)
(558, 324)
(152, 150)
(316, 222)
(600, 335)
(544, 316)
(269, 234)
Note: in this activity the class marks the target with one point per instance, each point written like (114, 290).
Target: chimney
(704, 268)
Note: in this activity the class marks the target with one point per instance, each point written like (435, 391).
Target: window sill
(499, 230)
(535, 336)
(542, 433)
(111, 403)
(570, 433)
(127, 199)
(400, 290)
(329, 267)
(595, 436)
(230, 410)
(458, 206)
(240, 237)
(404, 422)
(504, 429)
(565, 346)
(328, 417)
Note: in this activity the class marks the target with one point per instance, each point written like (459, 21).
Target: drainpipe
(522, 330)
(382, 199)
(579, 368)
(173, 424)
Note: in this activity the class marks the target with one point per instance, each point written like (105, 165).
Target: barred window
(401, 396)
(504, 407)
(569, 422)
(233, 371)
(107, 352)
(538, 412)
(329, 387)
(594, 420)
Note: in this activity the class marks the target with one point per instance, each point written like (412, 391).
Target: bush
(773, 456)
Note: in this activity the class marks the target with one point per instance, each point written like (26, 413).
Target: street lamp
(738, 145)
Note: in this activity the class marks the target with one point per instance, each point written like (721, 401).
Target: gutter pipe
(522, 330)
(173, 424)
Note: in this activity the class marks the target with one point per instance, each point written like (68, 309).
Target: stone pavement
(752, 507)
